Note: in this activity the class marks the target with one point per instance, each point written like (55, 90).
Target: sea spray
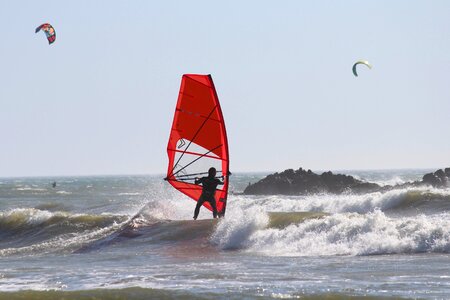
(234, 232)
(156, 210)
(396, 180)
(166, 203)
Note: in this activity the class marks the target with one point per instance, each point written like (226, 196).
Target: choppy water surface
(133, 236)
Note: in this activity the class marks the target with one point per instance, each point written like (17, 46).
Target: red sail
(198, 139)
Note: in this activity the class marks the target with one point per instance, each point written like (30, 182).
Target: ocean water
(118, 237)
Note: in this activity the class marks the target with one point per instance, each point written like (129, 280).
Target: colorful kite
(49, 32)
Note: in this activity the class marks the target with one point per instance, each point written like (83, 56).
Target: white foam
(354, 234)
(333, 203)
(236, 232)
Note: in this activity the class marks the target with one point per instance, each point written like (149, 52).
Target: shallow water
(119, 232)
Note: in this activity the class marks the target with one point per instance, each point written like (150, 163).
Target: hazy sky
(100, 100)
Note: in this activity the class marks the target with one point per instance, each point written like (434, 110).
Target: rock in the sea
(438, 179)
(300, 182)
(430, 179)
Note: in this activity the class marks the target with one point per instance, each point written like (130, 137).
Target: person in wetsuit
(209, 185)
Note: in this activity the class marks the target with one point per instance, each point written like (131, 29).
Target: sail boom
(197, 154)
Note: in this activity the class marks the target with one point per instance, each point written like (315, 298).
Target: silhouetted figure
(54, 184)
(209, 185)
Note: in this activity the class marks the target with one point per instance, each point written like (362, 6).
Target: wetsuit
(209, 189)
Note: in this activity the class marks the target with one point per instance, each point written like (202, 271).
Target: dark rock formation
(298, 182)
(301, 182)
(438, 179)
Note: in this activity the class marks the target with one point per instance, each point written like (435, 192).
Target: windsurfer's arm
(198, 180)
(225, 177)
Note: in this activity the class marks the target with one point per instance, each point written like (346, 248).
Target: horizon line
(236, 172)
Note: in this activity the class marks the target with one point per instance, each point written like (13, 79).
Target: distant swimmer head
(212, 172)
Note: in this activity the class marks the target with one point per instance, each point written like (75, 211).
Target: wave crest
(21, 219)
(28, 228)
(355, 234)
(424, 199)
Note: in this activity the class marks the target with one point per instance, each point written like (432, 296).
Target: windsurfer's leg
(197, 207)
(213, 206)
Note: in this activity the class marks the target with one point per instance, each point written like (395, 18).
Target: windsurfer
(209, 185)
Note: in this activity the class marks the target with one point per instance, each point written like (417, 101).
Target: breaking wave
(26, 230)
(422, 199)
(339, 234)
